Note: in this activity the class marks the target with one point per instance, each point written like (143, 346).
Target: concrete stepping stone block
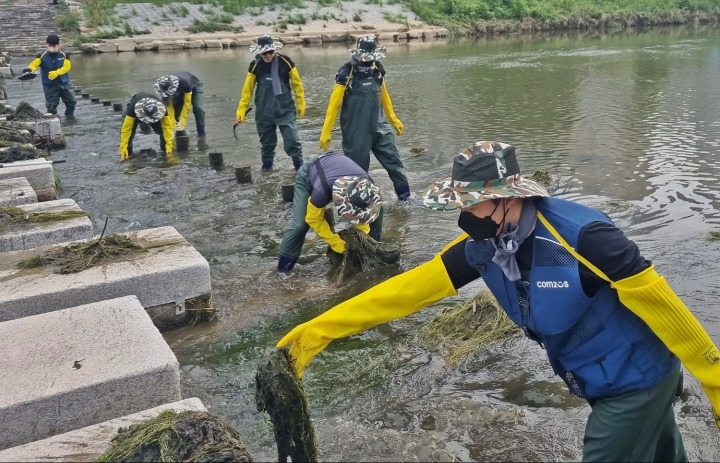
(40, 176)
(81, 366)
(48, 130)
(169, 269)
(16, 191)
(16, 237)
(88, 443)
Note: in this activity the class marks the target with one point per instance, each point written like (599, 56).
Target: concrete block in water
(81, 366)
(48, 130)
(16, 191)
(41, 177)
(168, 266)
(88, 443)
(32, 235)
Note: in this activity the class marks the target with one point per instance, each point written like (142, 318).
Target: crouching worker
(145, 107)
(331, 177)
(611, 326)
(180, 92)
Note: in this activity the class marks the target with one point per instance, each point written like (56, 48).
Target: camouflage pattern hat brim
(167, 85)
(349, 189)
(256, 49)
(154, 116)
(362, 55)
(447, 195)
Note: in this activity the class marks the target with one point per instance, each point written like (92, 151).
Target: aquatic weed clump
(10, 215)
(77, 257)
(25, 112)
(282, 396)
(362, 253)
(20, 153)
(459, 331)
(190, 436)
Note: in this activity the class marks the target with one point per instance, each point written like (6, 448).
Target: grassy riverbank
(460, 17)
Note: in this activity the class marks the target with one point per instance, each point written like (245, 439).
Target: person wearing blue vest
(613, 329)
(54, 65)
(330, 178)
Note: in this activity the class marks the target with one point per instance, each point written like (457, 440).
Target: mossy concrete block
(16, 191)
(15, 237)
(81, 366)
(41, 177)
(48, 130)
(168, 267)
(88, 443)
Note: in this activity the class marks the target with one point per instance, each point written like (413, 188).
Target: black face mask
(479, 228)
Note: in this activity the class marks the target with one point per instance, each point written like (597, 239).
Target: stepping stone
(81, 366)
(169, 269)
(48, 130)
(15, 237)
(16, 191)
(39, 174)
(88, 443)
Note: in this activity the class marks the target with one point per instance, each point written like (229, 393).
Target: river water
(626, 122)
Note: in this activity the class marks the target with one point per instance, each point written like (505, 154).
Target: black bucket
(182, 142)
(216, 159)
(243, 175)
(117, 107)
(288, 191)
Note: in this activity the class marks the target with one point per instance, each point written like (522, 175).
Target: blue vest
(595, 344)
(53, 62)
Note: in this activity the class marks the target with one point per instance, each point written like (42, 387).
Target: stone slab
(88, 443)
(168, 267)
(16, 191)
(81, 366)
(40, 176)
(48, 130)
(32, 235)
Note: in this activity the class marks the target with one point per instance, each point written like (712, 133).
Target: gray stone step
(27, 236)
(39, 174)
(170, 267)
(81, 366)
(16, 191)
(88, 443)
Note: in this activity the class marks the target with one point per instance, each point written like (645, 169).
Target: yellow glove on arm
(389, 111)
(125, 133)
(397, 297)
(297, 86)
(363, 227)
(333, 107)
(52, 75)
(168, 129)
(187, 102)
(245, 97)
(315, 217)
(648, 296)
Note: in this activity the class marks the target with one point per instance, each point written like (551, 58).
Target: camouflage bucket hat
(356, 199)
(264, 43)
(149, 110)
(367, 49)
(167, 85)
(487, 170)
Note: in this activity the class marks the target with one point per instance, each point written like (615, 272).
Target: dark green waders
(274, 112)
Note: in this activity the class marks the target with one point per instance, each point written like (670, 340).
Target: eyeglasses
(269, 52)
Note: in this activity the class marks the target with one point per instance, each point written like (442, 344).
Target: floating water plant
(187, 436)
(457, 332)
(282, 396)
(542, 177)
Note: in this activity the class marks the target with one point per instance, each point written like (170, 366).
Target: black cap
(53, 39)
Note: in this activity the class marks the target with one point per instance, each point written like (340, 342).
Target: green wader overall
(273, 112)
(365, 129)
(294, 236)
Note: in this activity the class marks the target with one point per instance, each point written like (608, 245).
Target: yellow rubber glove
(125, 134)
(397, 297)
(168, 130)
(648, 296)
(187, 102)
(315, 217)
(333, 107)
(363, 227)
(389, 111)
(297, 86)
(52, 75)
(35, 64)
(245, 97)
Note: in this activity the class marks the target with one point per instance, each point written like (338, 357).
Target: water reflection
(627, 122)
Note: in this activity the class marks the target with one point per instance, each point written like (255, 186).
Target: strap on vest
(571, 250)
(321, 173)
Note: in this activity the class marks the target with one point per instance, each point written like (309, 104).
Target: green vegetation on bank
(461, 16)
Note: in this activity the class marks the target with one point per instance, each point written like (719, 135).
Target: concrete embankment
(82, 350)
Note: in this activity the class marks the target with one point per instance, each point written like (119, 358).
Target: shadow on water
(624, 122)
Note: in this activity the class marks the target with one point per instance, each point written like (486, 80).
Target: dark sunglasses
(269, 52)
